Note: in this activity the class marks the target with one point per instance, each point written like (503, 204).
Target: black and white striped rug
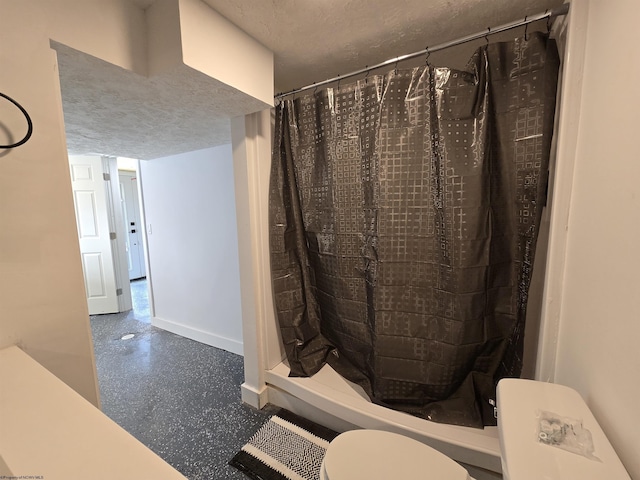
(287, 447)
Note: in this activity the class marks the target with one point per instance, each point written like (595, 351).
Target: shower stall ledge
(342, 405)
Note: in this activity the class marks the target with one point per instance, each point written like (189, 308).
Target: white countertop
(49, 431)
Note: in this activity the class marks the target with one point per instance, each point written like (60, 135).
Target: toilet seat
(374, 454)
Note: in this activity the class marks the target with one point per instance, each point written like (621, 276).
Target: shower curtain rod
(556, 12)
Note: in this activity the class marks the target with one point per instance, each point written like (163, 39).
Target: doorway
(109, 204)
(130, 206)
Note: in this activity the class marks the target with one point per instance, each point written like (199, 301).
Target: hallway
(179, 397)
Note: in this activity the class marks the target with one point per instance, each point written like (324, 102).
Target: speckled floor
(179, 397)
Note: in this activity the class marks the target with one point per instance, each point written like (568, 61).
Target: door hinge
(118, 291)
(106, 177)
(112, 235)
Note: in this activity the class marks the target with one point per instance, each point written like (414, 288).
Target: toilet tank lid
(521, 407)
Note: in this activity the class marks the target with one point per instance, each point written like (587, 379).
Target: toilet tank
(547, 432)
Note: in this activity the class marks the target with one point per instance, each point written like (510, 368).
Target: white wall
(112, 30)
(193, 245)
(598, 352)
(179, 29)
(42, 300)
(43, 306)
(231, 56)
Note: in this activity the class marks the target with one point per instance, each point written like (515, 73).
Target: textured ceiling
(318, 39)
(111, 111)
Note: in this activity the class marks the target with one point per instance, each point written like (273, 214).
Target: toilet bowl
(525, 410)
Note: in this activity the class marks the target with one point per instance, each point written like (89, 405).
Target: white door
(92, 218)
(131, 214)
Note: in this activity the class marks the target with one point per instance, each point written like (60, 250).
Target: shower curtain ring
(366, 74)
(526, 26)
(486, 37)
(315, 89)
(428, 55)
(548, 21)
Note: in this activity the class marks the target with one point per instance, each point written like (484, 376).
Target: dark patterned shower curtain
(404, 217)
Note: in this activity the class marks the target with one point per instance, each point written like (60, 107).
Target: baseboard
(255, 398)
(228, 344)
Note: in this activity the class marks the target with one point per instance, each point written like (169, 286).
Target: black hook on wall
(29, 124)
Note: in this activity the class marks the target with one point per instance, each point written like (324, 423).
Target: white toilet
(538, 424)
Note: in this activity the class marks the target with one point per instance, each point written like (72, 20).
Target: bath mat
(286, 447)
